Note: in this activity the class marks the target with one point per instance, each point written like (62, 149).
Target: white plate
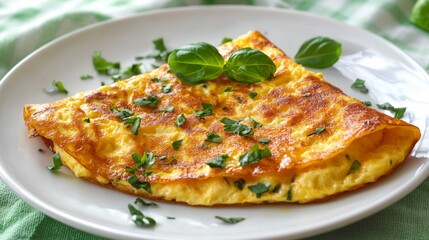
(103, 211)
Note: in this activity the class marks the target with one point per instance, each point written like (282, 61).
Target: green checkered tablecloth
(27, 25)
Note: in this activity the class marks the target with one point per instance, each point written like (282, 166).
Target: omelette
(292, 138)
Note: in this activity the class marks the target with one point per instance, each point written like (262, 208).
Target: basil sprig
(319, 52)
(199, 62)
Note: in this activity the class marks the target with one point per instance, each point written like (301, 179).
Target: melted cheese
(301, 169)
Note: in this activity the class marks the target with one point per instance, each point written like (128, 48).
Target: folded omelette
(292, 138)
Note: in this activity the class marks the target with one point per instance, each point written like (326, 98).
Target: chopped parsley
(264, 140)
(236, 127)
(232, 220)
(57, 87)
(144, 203)
(139, 218)
(57, 162)
(306, 94)
(206, 111)
(252, 95)
(317, 131)
(168, 109)
(160, 53)
(218, 162)
(134, 181)
(355, 166)
(166, 88)
(289, 194)
(151, 101)
(145, 161)
(213, 137)
(367, 103)
(240, 183)
(359, 85)
(176, 144)
(86, 77)
(255, 155)
(122, 114)
(180, 120)
(226, 39)
(133, 70)
(87, 120)
(228, 89)
(259, 189)
(397, 112)
(134, 122)
(102, 66)
(255, 124)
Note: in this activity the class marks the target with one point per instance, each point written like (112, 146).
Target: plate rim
(100, 230)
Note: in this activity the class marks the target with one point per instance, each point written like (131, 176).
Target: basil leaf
(151, 101)
(218, 162)
(57, 162)
(319, 52)
(236, 127)
(144, 203)
(196, 63)
(254, 155)
(230, 220)
(259, 189)
(213, 137)
(419, 14)
(176, 144)
(206, 111)
(180, 120)
(248, 65)
(359, 85)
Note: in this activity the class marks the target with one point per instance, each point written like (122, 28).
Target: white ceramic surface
(104, 211)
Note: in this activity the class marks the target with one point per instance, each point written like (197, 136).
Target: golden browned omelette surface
(357, 145)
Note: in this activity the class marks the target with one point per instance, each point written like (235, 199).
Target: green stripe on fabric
(25, 14)
(396, 13)
(6, 52)
(402, 45)
(348, 8)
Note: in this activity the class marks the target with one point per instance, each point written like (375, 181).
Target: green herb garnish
(255, 155)
(218, 162)
(86, 77)
(355, 166)
(180, 120)
(145, 161)
(199, 62)
(359, 85)
(166, 88)
(225, 40)
(255, 124)
(367, 103)
(176, 144)
(259, 189)
(317, 131)
(264, 140)
(420, 14)
(102, 66)
(122, 114)
(397, 112)
(87, 120)
(57, 87)
(213, 137)
(168, 109)
(249, 66)
(57, 162)
(134, 123)
(319, 52)
(206, 111)
(232, 220)
(228, 89)
(240, 183)
(132, 71)
(144, 203)
(236, 127)
(151, 101)
(139, 218)
(252, 95)
(134, 181)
